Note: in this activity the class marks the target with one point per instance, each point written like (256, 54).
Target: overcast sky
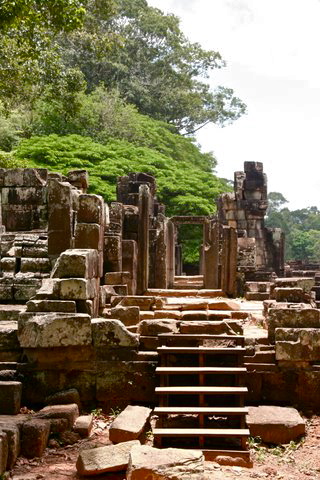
(273, 63)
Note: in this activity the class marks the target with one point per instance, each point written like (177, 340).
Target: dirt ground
(297, 461)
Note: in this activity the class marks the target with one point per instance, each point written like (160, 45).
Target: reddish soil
(294, 462)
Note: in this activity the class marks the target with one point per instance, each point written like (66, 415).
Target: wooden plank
(204, 410)
(205, 390)
(205, 370)
(207, 432)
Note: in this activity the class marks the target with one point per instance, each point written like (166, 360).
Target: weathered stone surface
(130, 424)
(83, 425)
(275, 424)
(298, 344)
(34, 439)
(127, 315)
(42, 265)
(112, 333)
(55, 330)
(8, 335)
(88, 235)
(91, 209)
(13, 440)
(69, 412)
(66, 306)
(287, 294)
(167, 314)
(112, 458)
(154, 327)
(294, 316)
(10, 397)
(77, 288)
(64, 397)
(227, 327)
(168, 463)
(76, 263)
(3, 452)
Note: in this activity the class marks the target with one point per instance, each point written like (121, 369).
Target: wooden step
(201, 349)
(205, 370)
(201, 390)
(204, 410)
(206, 432)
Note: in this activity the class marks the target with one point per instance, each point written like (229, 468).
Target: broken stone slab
(130, 424)
(168, 463)
(64, 397)
(10, 397)
(55, 330)
(3, 452)
(276, 425)
(288, 294)
(34, 438)
(112, 333)
(13, 440)
(127, 315)
(297, 344)
(112, 458)
(226, 327)
(83, 425)
(70, 412)
(77, 263)
(154, 327)
(293, 316)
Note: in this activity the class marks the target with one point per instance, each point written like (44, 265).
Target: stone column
(233, 260)
(161, 268)
(171, 253)
(211, 256)
(143, 239)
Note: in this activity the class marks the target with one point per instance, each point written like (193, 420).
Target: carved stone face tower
(260, 249)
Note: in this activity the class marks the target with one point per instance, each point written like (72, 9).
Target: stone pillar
(129, 263)
(233, 260)
(211, 255)
(171, 253)
(161, 269)
(61, 217)
(143, 239)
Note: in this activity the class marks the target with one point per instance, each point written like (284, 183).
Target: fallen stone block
(293, 316)
(112, 458)
(130, 424)
(127, 315)
(69, 412)
(55, 330)
(77, 288)
(64, 397)
(13, 440)
(77, 263)
(154, 327)
(83, 425)
(298, 344)
(287, 294)
(34, 439)
(10, 397)
(3, 452)
(275, 425)
(168, 463)
(112, 333)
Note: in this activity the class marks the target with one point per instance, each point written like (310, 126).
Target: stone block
(64, 397)
(42, 265)
(12, 177)
(117, 278)
(294, 316)
(224, 327)
(275, 425)
(288, 294)
(77, 263)
(112, 254)
(297, 344)
(83, 425)
(66, 306)
(10, 397)
(130, 424)
(8, 264)
(8, 335)
(91, 209)
(34, 438)
(55, 330)
(112, 333)
(127, 315)
(112, 458)
(35, 177)
(59, 240)
(69, 412)
(13, 439)
(3, 452)
(77, 288)
(23, 196)
(79, 179)
(88, 235)
(154, 327)
(169, 463)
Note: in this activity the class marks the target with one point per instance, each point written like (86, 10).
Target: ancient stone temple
(93, 299)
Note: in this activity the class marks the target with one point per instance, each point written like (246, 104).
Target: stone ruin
(90, 293)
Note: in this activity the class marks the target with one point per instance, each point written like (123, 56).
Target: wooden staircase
(201, 395)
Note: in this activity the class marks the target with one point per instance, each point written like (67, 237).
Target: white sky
(272, 50)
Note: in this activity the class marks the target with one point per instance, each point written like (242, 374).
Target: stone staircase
(201, 397)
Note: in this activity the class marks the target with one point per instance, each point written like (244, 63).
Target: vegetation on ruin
(301, 227)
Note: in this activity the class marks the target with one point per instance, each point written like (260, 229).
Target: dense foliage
(301, 227)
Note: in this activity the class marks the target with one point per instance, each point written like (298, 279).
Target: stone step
(9, 312)
(201, 370)
(258, 296)
(201, 410)
(191, 390)
(185, 293)
(201, 336)
(261, 357)
(204, 350)
(195, 432)
(261, 367)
